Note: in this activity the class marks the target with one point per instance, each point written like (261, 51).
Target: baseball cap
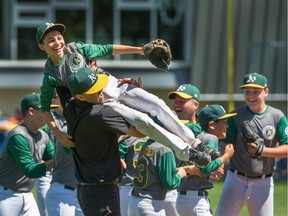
(186, 91)
(47, 27)
(33, 100)
(212, 113)
(254, 80)
(84, 81)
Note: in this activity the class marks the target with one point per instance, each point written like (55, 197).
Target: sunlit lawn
(280, 198)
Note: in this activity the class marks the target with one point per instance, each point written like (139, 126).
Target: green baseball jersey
(271, 125)
(75, 56)
(21, 156)
(155, 172)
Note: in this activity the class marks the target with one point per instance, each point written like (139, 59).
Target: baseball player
(185, 104)
(70, 57)
(193, 195)
(61, 197)
(27, 154)
(155, 174)
(129, 148)
(250, 180)
(95, 129)
(186, 99)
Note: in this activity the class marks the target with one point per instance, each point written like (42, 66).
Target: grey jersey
(134, 146)
(10, 174)
(73, 62)
(64, 167)
(155, 172)
(270, 125)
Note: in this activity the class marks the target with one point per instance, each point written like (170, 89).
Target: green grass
(280, 198)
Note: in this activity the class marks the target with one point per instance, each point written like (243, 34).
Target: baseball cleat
(201, 159)
(212, 152)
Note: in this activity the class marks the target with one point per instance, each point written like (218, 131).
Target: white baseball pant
(15, 204)
(62, 202)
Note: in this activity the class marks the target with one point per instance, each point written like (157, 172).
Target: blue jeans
(99, 200)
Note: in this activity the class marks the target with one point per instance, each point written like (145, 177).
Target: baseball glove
(159, 54)
(249, 135)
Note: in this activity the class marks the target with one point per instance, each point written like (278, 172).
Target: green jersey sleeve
(123, 149)
(49, 83)
(94, 50)
(18, 149)
(282, 131)
(166, 168)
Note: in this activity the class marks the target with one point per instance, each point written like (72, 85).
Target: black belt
(201, 193)
(69, 188)
(116, 181)
(252, 177)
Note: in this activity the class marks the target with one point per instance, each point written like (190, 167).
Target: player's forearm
(224, 158)
(276, 152)
(123, 49)
(49, 120)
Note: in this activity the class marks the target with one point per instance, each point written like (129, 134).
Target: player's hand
(229, 150)
(131, 81)
(193, 170)
(181, 171)
(65, 139)
(123, 164)
(123, 137)
(217, 174)
(93, 64)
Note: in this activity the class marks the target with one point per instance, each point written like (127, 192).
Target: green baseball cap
(33, 100)
(254, 80)
(212, 113)
(47, 27)
(84, 81)
(186, 91)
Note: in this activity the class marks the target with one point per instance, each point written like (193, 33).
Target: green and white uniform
(249, 181)
(19, 167)
(155, 174)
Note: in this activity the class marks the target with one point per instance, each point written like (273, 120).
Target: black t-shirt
(94, 129)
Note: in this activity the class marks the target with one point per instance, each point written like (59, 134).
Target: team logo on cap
(269, 132)
(181, 88)
(76, 61)
(49, 24)
(92, 77)
(251, 79)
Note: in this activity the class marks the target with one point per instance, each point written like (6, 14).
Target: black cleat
(201, 159)
(212, 152)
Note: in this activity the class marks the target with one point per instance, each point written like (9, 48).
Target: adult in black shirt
(94, 128)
